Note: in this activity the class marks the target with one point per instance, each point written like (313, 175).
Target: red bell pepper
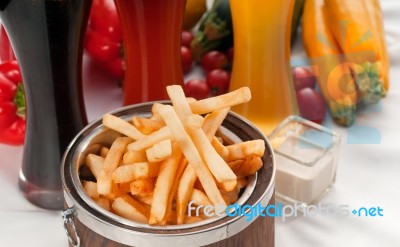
(103, 42)
(12, 104)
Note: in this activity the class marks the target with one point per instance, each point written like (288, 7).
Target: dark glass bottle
(47, 37)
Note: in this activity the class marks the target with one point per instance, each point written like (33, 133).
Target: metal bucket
(85, 221)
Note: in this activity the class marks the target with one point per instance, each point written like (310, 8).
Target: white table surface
(368, 174)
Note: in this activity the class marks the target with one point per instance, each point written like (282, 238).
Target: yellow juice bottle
(262, 60)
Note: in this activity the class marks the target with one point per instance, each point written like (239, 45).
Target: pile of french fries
(161, 164)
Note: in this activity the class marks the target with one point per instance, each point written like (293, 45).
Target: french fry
(131, 157)
(213, 121)
(147, 125)
(199, 198)
(160, 135)
(115, 192)
(121, 126)
(142, 186)
(220, 148)
(179, 102)
(90, 189)
(165, 180)
(129, 208)
(145, 199)
(193, 122)
(128, 173)
(125, 188)
(159, 151)
(170, 159)
(239, 96)
(235, 165)
(215, 163)
(184, 192)
(197, 185)
(241, 183)
(103, 202)
(227, 186)
(95, 164)
(155, 111)
(104, 152)
(252, 163)
(192, 155)
(218, 167)
(173, 193)
(230, 197)
(111, 162)
(243, 149)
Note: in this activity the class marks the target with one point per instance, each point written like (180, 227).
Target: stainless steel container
(83, 217)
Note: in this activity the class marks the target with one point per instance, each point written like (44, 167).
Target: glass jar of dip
(306, 158)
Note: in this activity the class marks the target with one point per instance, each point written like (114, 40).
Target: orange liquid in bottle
(262, 49)
(152, 39)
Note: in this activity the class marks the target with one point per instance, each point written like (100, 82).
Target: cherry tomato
(187, 38)
(311, 105)
(187, 59)
(214, 60)
(229, 54)
(218, 81)
(302, 78)
(197, 89)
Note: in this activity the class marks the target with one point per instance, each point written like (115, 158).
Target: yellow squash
(357, 27)
(333, 74)
(194, 10)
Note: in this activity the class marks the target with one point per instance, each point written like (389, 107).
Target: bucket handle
(70, 227)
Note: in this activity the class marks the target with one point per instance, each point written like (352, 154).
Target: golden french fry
(165, 180)
(215, 163)
(239, 96)
(192, 155)
(159, 151)
(199, 198)
(184, 192)
(90, 189)
(220, 148)
(235, 165)
(241, 183)
(129, 208)
(197, 185)
(142, 186)
(95, 164)
(131, 157)
(179, 102)
(218, 167)
(104, 152)
(228, 186)
(103, 202)
(111, 162)
(252, 163)
(145, 199)
(125, 188)
(155, 110)
(121, 126)
(243, 149)
(115, 192)
(213, 121)
(160, 135)
(231, 196)
(147, 125)
(172, 194)
(142, 170)
(193, 122)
